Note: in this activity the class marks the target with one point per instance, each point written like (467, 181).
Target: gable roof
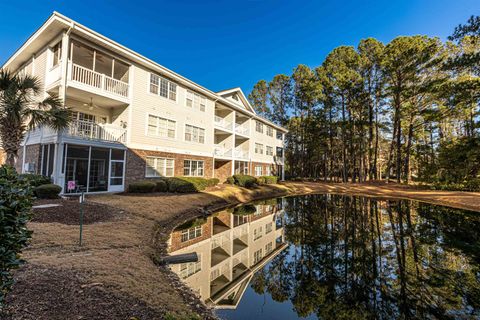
(243, 99)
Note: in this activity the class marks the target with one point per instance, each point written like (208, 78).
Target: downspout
(213, 154)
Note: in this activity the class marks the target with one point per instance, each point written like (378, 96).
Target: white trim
(148, 114)
(109, 167)
(88, 170)
(190, 168)
(156, 158)
(149, 147)
(168, 89)
(191, 141)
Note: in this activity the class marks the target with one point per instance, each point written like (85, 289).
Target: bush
(35, 180)
(161, 186)
(230, 180)
(48, 191)
(244, 180)
(213, 182)
(244, 210)
(16, 198)
(267, 180)
(142, 186)
(187, 184)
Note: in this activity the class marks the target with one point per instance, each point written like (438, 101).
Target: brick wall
(135, 166)
(176, 237)
(32, 155)
(264, 168)
(223, 169)
(224, 217)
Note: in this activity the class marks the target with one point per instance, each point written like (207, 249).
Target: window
(268, 170)
(194, 134)
(279, 135)
(192, 233)
(196, 101)
(259, 126)
(193, 168)
(268, 228)
(239, 220)
(188, 269)
(241, 167)
(269, 151)
(257, 256)
(163, 87)
(83, 117)
(268, 248)
(269, 131)
(160, 127)
(258, 170)
(57, 54)
(159, 167)
(258, 148)
(257, 233)
(279, 152)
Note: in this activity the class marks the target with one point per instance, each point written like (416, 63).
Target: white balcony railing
(222, 152)
(241, 129)
(223, 123)
(95, 131)
(240, 154)
(98, 80)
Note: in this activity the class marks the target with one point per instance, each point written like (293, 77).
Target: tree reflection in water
(361, 258)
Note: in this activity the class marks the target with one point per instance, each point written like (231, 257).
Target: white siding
(145, 103)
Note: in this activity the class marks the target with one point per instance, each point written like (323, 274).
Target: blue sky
(224, 44)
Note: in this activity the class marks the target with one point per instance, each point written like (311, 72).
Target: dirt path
(116, 261)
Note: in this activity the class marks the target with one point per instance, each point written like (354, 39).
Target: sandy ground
(116, 261)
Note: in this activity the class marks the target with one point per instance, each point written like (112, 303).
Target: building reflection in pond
(231, 246)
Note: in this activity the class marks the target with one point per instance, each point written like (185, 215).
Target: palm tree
(21, 110)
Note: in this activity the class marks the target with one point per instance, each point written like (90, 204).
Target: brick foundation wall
(136, 163)
(264, 168)
(224, 217)
(176, 237)
(223, 170)
(32, 155)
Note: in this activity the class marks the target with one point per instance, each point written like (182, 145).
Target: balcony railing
(98, 80)
(223, 123)
(240, 154)
(95, 131)
(241, 129)
(222, 152)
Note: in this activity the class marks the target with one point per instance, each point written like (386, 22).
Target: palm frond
(28, 84)
(49, 112)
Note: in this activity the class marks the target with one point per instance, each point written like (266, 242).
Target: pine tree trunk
(344, 143)
(408, 150)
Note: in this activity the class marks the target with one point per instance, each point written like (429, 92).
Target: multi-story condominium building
(231, 246)
(133, 118)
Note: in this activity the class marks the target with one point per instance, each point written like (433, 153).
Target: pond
(334, 256)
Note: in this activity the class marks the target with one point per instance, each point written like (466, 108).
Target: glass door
(117, 168)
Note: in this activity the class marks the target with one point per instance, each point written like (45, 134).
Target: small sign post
(81, 200)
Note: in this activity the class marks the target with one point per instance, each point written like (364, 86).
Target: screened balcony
(98, 71)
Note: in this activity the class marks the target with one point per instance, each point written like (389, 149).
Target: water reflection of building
(231, 246)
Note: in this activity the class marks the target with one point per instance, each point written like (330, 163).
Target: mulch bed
(40, 293)
(69, 212)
